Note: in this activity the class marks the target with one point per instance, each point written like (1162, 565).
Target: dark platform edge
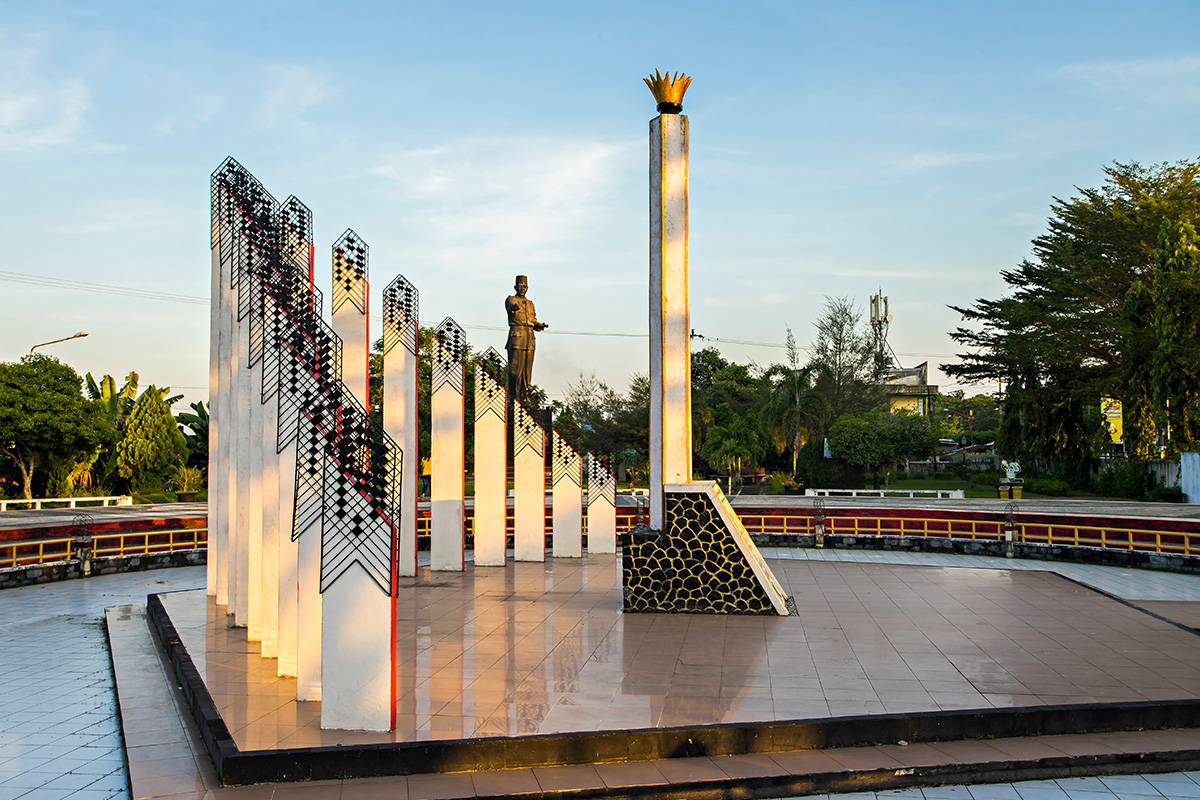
(237, 767)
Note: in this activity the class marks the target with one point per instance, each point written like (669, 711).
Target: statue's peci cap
(523, 279)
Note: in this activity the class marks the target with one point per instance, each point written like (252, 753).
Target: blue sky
(836, 148)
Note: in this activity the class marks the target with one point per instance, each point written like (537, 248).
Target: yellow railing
(130, 543)
(133, 543)
(1181, 542)
(35, 551)
(908, 526)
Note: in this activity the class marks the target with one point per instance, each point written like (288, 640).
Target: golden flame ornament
(668, 91)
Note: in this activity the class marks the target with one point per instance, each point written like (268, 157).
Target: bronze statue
(522, 323)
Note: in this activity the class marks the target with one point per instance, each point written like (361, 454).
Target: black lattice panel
(401, 306)
(449, 349)
(349, 272)
(490, 396)
(526, 432)
(348, 470)
(565, 462)
(602, 482)
(352, 533)
(310, 477)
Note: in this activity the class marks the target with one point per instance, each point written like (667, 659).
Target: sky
(837, 149)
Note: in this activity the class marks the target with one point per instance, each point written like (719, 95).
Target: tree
(197, 422)
(849, 381)
(796, 411)
(44, 416)
(152, 444)
(729, 441)
(1176, 294)
(1077, 325)
(878, 438)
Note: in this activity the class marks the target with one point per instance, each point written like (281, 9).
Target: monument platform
(534, 667)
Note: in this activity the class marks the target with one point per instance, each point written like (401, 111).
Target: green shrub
(1047, 487)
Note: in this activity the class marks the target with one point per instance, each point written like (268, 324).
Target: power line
(172, 297)
(100, 288)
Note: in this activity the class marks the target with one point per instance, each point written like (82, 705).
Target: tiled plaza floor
(57, 708)
(544, 648)
(59, 732)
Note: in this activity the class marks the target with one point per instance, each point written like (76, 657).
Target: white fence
(69, 502)
(941, 494)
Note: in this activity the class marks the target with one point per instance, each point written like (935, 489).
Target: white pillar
(491, 466)
(359, 687)
(529, 487)
(289, 554)
(225, 481)
(349, 302)
(601, 506)
(446, 448)
(254, 503)
(271, 530)
(566, 478)
(308, 613)
(215, 544)
(401, 333)
(670, 365)
(240, 535)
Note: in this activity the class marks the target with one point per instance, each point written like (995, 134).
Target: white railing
(69, 502)
(941, 494)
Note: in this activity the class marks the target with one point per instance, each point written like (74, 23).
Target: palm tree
(730, 444)
(796, 411)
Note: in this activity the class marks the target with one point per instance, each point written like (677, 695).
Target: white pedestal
(601, 507)
(359, 683)
(670, 359)
(400, 348)
(566, 477)
(529, 487)
(491, 471)
(446, 460)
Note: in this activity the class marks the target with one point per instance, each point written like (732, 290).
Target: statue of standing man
(522, 324)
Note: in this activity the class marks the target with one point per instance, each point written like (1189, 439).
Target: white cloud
(1148, 78)
(197, 110)
(292, 89)
(515, 200)
(39, 111)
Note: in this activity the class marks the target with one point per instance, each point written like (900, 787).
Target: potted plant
(187, 482)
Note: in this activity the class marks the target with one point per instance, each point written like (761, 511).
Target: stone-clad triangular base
(702, 563)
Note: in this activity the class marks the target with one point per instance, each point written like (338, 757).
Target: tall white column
(349, 302)
(215, 552)
(401, 341)
(289, 566)
(225, 481)
(308, 613)
(566, 477)
(601, 505)
(254, 504)
(240, 535)
(670, 359)
(270, 527)
(529, 487)
(447, 407)
(491, 465)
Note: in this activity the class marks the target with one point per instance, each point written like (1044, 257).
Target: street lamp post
(79, 335)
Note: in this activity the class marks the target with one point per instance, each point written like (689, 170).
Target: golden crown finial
(668, 91)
